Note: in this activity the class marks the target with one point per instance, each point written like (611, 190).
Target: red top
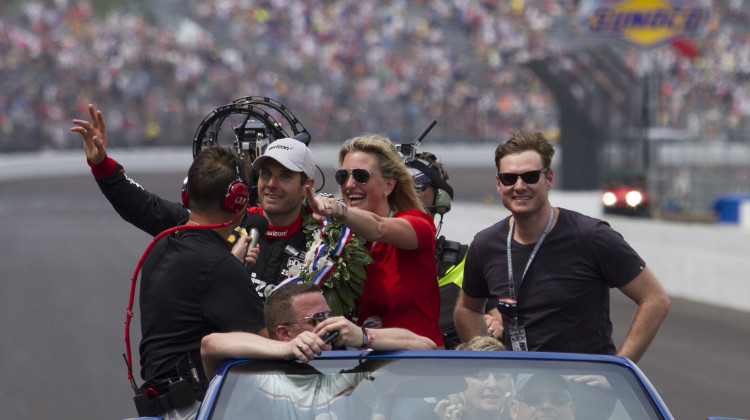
(401, 286)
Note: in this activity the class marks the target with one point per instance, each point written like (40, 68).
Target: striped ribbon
(289, 280)
(322, 264)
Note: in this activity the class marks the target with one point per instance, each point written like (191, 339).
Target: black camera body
(332, 335)
(252, 138)
(407, 151)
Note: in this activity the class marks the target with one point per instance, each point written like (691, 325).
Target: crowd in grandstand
(343, 67)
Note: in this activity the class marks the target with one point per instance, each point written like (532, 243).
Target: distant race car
(431, 384)
(626, 200)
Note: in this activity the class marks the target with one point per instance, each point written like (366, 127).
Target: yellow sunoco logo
(647, 22)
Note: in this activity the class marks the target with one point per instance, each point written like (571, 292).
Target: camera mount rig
(254, 123)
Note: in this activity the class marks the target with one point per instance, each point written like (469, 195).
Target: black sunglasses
(531, 177)
(361, 176)
(557, 399)
(314, 319)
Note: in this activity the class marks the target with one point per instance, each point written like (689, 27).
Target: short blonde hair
(484, 343)
(404, 196)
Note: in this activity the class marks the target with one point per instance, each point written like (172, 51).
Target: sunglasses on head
(531, 177)
(361, 176)
(314, 319)
(557, 399)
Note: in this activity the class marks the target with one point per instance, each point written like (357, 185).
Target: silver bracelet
(345, 212)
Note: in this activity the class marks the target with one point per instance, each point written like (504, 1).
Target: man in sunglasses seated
(561, 265)
(542, 395)
(298, 318)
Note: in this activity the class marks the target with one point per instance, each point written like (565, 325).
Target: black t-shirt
(191, 286)
(563, 301)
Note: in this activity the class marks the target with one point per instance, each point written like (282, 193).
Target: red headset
(235, 198)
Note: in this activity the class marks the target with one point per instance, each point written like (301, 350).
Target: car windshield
(413, 388)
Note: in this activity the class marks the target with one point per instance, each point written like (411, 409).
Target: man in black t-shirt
(554, 294)
(192, 285)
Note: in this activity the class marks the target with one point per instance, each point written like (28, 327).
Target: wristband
(104, 168)
(364, 339)
(367, 338)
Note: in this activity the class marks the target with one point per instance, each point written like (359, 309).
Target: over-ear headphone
(441, 204)
(235, 198)
(442, 201)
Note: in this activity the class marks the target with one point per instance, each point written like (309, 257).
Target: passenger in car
(485, 396)
(487, 392)
(542, 395)
(297, 319)
(382, 207)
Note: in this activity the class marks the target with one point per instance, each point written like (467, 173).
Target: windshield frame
(416, 365)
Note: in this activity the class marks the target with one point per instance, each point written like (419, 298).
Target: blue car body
(640, 391)
(630, 396)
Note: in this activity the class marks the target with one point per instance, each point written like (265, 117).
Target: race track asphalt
(67, 262)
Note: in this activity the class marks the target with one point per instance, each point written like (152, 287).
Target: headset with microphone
(233, 201)
(441, 203)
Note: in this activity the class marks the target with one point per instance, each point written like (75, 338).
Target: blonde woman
(487, 392)
(381, 206)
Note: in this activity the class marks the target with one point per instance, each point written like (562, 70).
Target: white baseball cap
(291, 153)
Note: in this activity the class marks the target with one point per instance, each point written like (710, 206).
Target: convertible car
(441, 384)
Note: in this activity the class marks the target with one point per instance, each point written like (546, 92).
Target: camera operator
(431, 180)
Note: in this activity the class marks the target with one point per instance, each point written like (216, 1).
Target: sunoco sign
(646, 23)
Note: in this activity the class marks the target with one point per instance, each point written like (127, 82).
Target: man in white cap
(286, 167)
(284, 170)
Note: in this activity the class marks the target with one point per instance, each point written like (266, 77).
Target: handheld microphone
(257, 226)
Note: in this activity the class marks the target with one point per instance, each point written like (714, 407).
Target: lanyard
(511, 286)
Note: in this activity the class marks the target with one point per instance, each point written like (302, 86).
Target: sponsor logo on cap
(280, 146)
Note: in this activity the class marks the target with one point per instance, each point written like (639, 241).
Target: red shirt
(401, 286)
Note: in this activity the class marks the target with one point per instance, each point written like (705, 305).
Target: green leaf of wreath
(347, 281)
